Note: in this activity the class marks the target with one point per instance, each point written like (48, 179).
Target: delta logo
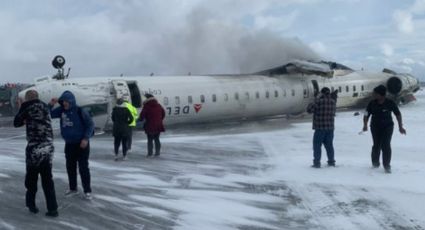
(197, 107)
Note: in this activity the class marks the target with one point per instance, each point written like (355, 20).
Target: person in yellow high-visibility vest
(133, 112)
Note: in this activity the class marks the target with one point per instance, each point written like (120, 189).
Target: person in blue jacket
(76, 129)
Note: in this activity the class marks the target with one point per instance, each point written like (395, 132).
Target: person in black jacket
(39, 151)
(122, 118)
(382, 126)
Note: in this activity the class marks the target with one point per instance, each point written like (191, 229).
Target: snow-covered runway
(254, 175)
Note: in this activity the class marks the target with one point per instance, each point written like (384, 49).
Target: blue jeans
(325, 137)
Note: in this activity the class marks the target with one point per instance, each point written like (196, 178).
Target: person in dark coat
(34, 114)
(382, 126)
(77, 128)
(323, 109)
(153, 115)
(122, 118)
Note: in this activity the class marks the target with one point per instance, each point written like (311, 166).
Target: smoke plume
(207, 46)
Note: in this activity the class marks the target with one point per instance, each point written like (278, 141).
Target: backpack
(80, 115)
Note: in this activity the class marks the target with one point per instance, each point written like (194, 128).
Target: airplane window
(247, 95)
(354, 88)
(257, 95)
(267, 94)
(165, 100)
(284, 93)
(347, 89)
(362, 87)
(293, 92)
(202, 98)
(214, 98)
(305, 92)
(237, 96)
(339, 89)
(276, 93)
(177, 100)
(189, 99)
(226, 97)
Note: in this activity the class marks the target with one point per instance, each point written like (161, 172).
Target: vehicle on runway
(8, 95)
(285, 90)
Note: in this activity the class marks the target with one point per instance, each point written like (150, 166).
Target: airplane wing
(322, 68)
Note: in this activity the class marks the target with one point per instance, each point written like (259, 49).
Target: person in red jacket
(153, 115)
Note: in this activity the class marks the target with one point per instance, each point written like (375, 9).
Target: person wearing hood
(76, 129)
(34, 114)
(153, 115)
(382, 126)
(323, 109)
(121, 130)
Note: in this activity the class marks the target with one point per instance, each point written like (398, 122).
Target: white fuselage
(189, 99)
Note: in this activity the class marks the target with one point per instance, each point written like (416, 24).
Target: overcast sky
(137, 37)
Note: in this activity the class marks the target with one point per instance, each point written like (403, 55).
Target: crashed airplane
(285, 90)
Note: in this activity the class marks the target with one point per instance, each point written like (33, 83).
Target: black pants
(75, 154)
(151, 139)
(382, 141)
(130, 138)
(117, 142)
(31, 178)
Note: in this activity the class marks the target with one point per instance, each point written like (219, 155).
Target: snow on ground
(250, 175)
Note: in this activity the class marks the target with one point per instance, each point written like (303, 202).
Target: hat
(148, 95)
(381, 90)
(325, 90)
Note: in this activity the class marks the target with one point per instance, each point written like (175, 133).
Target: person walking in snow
(323, 109)
(382, 126)
(77, 128)
(133, 112)
(121, 130)
(34, 114)
(153, 114)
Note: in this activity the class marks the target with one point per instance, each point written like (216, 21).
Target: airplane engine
(402, 87)
(394, 85)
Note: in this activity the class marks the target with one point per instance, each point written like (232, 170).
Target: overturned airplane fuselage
(188, 99)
